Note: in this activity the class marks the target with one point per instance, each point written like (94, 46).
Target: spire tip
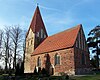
(37, 4)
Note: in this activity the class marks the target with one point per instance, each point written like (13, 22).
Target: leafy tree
(94, 42)
(94, 61)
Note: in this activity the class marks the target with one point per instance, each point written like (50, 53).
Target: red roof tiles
(58, 41)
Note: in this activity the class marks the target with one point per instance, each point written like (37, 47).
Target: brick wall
(79, 67)
(28, 51)
(70, 61)
(66, 61)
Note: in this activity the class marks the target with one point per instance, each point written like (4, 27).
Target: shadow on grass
(6, 77)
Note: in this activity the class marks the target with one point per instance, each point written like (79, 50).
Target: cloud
(48, 8)
(61, 18)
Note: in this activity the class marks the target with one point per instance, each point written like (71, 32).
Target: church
(64, 52)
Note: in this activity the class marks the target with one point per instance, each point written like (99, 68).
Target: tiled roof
(37, 22)
(58, 41)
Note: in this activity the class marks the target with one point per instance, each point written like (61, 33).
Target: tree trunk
(14, 62)
(5, 65)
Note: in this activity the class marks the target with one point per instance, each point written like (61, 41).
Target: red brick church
(65, 52)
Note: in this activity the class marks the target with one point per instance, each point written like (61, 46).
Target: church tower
(35, 35)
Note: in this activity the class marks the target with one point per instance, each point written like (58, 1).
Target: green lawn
(89, 77)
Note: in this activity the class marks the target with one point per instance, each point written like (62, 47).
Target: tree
(94, 42)
(5, 46)
(24, 45)
(12, 47)
(1, 35)
(94, 61)
(19, 67)
(17, 41)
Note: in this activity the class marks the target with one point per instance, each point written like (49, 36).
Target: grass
(88, 77)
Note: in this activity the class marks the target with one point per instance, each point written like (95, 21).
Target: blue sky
(58, 15)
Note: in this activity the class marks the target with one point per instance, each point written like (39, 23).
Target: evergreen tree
(94, 42)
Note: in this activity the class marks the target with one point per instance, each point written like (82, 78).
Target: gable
(65, 39)
(30, 34)
(81, 40)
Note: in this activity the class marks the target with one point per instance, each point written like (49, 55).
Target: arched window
(39, 62)
(57, 59)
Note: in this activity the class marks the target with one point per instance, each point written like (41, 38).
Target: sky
(58, 15)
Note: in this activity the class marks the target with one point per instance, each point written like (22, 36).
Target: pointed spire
(37, 22)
